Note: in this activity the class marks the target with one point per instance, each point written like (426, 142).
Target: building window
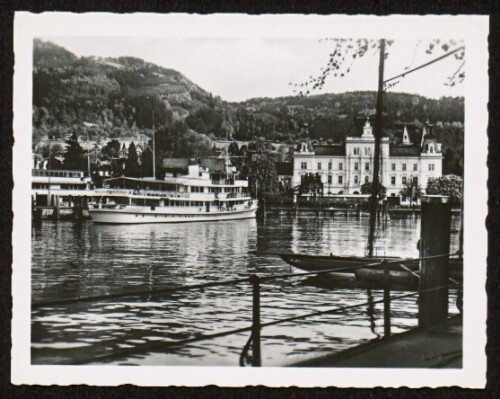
(356, 166)
(329, 165)
(341, 166)
(356, 180)
(329, 179)
(415, 180)
(431, 166)
(340, 179)
(367, 179)
(393, 180)
(403, 180)
(367, 165)
(415, 167)
(393, 166)
(303, 165)
(319, 165)
(404, 167)
(366, 150)
(356, 151)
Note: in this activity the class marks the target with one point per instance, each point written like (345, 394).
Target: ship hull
(312, 263)
(166, 215)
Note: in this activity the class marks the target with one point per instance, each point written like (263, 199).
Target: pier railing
(255, 281)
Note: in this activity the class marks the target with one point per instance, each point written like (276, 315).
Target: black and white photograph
(231, 200)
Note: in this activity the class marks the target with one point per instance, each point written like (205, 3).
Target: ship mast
(378, 138)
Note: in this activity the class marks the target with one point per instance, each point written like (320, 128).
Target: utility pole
(154, 149)
(88, 152)
(378, 138)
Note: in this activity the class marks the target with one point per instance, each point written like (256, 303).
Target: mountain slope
(123, 97)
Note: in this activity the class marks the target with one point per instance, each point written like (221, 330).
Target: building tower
(406, 137)
(367, 129)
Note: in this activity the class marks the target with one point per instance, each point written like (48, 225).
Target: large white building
(344, 168)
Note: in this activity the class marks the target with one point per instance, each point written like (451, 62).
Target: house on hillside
(125, 144)
(344, 168)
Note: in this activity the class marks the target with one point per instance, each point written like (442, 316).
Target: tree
(411, 190)
(311, 184)
(450, 185)
(132, 164)
(366, 188)
(147, 160)
(74, 158)
(260, 170)
(52, 151)
(179, 141)
(111, 150)
(345, 52)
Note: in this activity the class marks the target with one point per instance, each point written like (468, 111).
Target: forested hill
(123, 97)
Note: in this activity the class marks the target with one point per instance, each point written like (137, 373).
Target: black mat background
(7, 8)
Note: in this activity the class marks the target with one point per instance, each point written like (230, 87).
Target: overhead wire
(424, 65)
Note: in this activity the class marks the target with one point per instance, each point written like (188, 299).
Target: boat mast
(378, 138)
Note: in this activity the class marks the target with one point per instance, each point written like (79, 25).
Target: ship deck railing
(197, 196)
(255, 281)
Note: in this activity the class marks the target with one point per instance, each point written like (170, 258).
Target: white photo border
(472, 29)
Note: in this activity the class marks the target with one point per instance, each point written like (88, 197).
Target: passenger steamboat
(197, 192)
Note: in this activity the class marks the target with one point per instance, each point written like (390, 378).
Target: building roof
(335, 149)
(404, 150)
(284, 168)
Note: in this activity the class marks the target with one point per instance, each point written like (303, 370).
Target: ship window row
(199, 204)
(73, 186)
(55, 173)
(42, 186)
(180, 216)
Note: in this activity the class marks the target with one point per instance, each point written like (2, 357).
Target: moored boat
(198, 195)
(362, 269)
(328, 262)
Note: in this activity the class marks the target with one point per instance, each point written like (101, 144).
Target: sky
(242, 68)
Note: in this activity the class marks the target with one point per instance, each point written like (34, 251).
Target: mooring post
(256, 360)
(387, 300)
(434, 240)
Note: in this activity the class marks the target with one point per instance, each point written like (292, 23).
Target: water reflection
(370, 310)
(72, 260)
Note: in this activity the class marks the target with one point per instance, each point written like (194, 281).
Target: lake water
(78, 260)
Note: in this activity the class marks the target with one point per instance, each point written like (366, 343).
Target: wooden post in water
(434, 240)
(387, 300)
(256, 359)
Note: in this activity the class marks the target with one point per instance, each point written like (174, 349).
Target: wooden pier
(439, 346)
